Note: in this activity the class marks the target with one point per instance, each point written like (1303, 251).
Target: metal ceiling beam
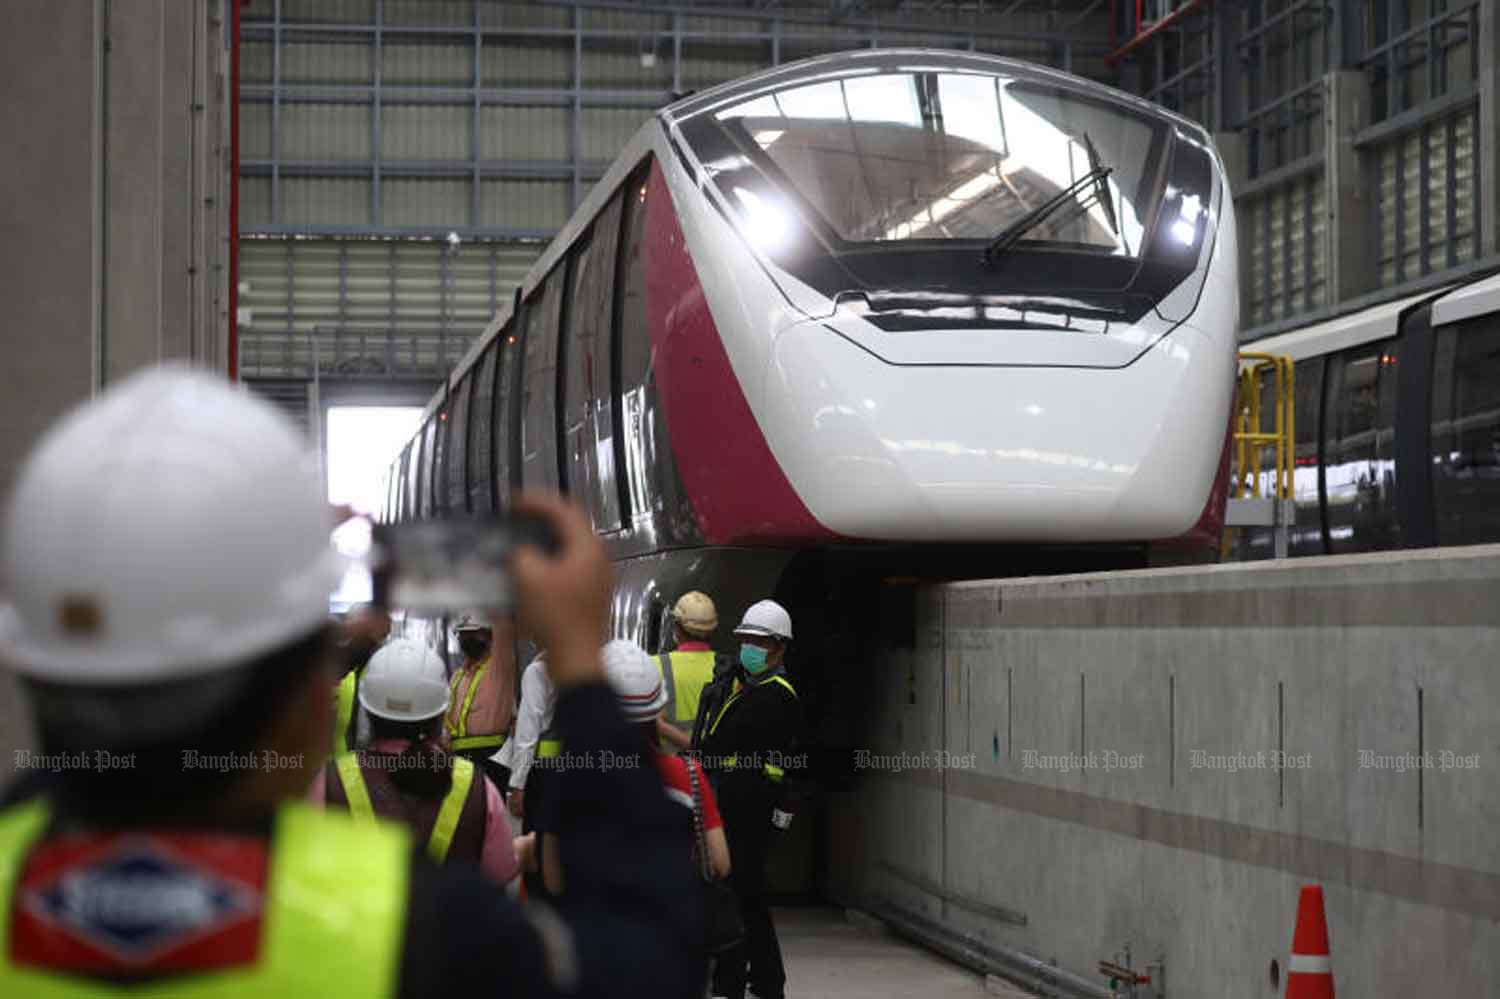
(870, 24)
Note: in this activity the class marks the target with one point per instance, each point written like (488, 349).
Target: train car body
(1398, 425)
(883, 313)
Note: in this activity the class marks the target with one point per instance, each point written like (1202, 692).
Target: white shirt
(538, 700)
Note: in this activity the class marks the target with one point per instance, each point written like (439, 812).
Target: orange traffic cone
(1309, 973)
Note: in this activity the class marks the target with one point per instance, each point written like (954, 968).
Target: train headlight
(767, 222)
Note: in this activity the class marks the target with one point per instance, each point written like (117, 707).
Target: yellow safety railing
(1252, 438)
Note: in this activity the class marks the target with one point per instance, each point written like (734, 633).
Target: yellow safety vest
(458, 734)
(772, 771)
(685, 675)
(441, 837)
(343, 712)
(332, 925)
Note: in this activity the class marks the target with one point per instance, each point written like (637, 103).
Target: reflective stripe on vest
(461, 730)
(441, 837)
(685, 675)
(773, 678)
(477, 742)
(548, 746)
(343, 715)
(332, 919)
(773, 773)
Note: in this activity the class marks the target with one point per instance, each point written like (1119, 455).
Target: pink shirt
(498, 856)
(490, 711)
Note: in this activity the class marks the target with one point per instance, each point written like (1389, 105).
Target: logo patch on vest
(140, 903)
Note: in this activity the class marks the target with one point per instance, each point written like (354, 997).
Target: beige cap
(695, 612)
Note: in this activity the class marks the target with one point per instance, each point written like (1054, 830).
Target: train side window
(1307, 534)
(440, 425)
(655, 490)
(424, 466)
(403, 504)
(480, 443)
(508, 410)
(588, 408)
(539, 385)
(1466, 431)
(634, 351)
(1359, 455)
(456, 496)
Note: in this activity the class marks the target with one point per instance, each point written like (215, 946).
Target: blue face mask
(753, 658)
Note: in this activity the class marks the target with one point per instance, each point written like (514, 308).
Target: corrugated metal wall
(370, 308)
(1282, 236)
(1426, 209)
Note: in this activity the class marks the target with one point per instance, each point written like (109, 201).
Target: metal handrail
(1252, 439)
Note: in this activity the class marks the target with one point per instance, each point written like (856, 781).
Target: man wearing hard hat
(483, 697)
(166, 561)
(688, 668)
(403, 775)
(750, 736)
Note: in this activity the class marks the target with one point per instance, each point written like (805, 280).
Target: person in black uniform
(751, 732)
(173, 642)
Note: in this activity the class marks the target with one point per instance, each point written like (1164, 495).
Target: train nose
(953, 452)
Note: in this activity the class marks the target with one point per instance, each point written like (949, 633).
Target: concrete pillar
(1350, 232)
(115, 234)
(1489, 127)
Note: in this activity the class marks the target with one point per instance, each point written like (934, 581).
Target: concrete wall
(1319, 659)
(113, 240)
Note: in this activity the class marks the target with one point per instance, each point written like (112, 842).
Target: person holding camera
(403, 774)
(177, 621)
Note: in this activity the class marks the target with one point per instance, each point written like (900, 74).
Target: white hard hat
(695, 612)
(172, 528)
(766, 617)
(471, 622)
(405, 681)
(636, 678)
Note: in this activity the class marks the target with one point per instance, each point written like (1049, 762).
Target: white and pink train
(874, 314)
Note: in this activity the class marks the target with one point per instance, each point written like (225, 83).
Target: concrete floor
(828, 957)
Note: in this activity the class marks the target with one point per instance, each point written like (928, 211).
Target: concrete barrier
(1067, 765)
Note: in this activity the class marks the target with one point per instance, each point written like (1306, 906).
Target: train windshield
(951, 156)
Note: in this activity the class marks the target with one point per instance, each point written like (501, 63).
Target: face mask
(473, 646)
(753, 658)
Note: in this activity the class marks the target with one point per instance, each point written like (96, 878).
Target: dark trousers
(498, 774)
(745, 802)
(537, 779)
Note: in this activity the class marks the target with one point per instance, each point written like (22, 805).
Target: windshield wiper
(1068, 196)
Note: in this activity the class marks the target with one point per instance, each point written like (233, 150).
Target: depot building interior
(342, 205)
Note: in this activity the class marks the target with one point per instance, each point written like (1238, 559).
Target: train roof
(1450, 304)
(1349, 330)
(1467, 301)
(869, 60)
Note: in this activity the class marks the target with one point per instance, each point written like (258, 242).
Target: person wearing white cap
(640, 689)
(403, 775)
(166, 566)
(751, 735)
